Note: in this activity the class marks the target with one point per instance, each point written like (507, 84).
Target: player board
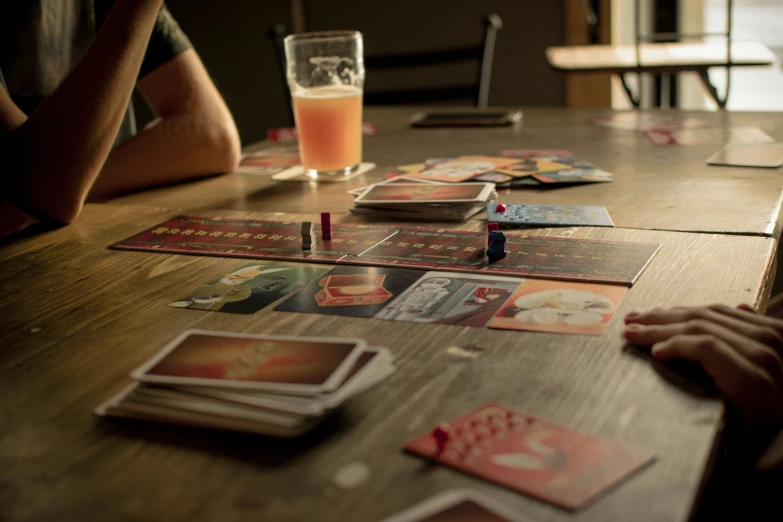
(412, 247)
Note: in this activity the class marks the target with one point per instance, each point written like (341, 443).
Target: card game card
(762, 156)
(532, 165)
(394, 181)
(289, 133)
(354, 291)
(716, 135)
(457, 505)
(462, 168)
(541, 305)
(269, 161)
(548, 215)
(303, 365)
(429, 193)
(451, 298)
(531, 455)
(249, 288)
(644, 121)
(526, 153)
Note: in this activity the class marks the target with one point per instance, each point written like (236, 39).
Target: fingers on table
(742, 381)
(764, 330)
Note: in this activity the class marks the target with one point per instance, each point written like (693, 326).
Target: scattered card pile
(513, 169)
(407, 197)
(269, 385)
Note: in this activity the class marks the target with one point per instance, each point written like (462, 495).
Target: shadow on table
(685, 375)
(246, 447)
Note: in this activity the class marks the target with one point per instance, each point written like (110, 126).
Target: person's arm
(194, 135)
(51, 157)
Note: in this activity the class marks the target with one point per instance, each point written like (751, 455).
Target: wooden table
(660, 188)
(77, 317)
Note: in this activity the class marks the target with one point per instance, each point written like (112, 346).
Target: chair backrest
(476, 90)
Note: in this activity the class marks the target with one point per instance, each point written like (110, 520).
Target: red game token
(441, 436)
(500, 208)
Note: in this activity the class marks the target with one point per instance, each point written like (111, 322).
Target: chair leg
(712, 91)
(635, 100)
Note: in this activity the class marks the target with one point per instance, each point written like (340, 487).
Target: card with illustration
(527, 153)
(249, 288)
(457, 505)
(354, 291)
(542, 305)
(305, 365)
(426, 193)
(451, 298)
(463, 168)
(548, 215)
(269, 161)
(396, 180)
(532, 165)
(532, 455)
(575, 175)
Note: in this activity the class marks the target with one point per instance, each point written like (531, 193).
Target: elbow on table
(226, 149)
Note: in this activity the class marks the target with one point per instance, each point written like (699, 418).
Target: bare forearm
(78, 123)
(171, 150)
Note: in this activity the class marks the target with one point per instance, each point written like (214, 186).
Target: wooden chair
(650, 55)
(477, 90)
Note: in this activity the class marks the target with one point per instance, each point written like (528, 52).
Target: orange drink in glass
(325, 74)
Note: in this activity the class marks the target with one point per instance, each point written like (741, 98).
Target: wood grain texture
(663, 188)
(82, 316)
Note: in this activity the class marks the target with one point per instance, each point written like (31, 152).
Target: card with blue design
(511, 214)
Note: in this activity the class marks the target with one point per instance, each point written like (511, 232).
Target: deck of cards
(269, 385)
(410, 198)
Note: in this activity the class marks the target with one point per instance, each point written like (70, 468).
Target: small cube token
(500, 208)
(491, 227)
(441, 436)
(308, 235)
(326, 226)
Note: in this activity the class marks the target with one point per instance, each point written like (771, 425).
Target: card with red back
(457, 505)
(531, 455)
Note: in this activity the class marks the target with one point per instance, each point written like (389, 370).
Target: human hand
(739, 349)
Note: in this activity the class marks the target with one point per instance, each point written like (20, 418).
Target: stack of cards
(269, 385)
(411, 198)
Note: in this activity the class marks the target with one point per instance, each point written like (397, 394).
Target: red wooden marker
(490, 228)
(441, 436)
(326, 226)
(500, 208)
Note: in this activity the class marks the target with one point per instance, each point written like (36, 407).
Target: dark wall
(231, 37)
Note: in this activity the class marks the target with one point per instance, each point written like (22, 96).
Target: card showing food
(301, 365)
(451, 298)
(249, 288)
(575, 175)
(269, 161)
(354, 291)
(429, 193)
(542, 305)
(463, 168)
(534, 456)
(457, 505)
(512, 214)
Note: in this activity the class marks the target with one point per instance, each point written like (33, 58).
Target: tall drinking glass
(325, 74)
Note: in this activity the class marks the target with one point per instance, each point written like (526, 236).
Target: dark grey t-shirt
(42, 40)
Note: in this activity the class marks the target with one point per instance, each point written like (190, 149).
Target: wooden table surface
(662, 188)
(78, 317)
